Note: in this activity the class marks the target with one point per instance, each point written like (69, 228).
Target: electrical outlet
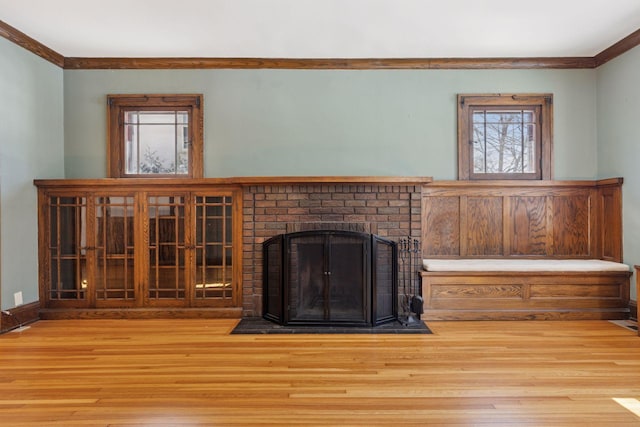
(17, 298)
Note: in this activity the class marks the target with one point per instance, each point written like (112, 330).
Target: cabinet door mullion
(90, 249)
(141, 254)
(189, 249)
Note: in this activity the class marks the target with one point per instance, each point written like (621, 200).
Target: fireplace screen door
(329, 278)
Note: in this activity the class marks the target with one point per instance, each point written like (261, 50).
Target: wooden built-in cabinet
(139, 248)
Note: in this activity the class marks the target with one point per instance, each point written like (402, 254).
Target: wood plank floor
(191, 372)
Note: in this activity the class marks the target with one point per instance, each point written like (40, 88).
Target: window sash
(504, 142)
(541, 128)
(135, 122)
(156, 142)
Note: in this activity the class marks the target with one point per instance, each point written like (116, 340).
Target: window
(155, 135)
(505, 136)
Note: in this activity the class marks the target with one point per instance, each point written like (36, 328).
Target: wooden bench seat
(523, 250)
(510, 289)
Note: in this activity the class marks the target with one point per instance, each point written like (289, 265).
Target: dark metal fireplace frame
(366, 271)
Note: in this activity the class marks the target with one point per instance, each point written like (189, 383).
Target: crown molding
(617, 49)
(21, 39)
(327, 64)
(72, 63)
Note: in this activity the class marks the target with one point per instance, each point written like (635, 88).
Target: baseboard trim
(526, 314)
(19, 316)
(140, 313)
(29, 313)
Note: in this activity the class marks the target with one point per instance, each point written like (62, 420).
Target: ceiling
(324, 28)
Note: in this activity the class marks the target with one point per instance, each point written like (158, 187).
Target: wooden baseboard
(141, 313)
(19, 316)
(633, 309)
(31, 312)
(605, 314)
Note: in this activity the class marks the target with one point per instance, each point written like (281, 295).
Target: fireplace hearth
(330, 278)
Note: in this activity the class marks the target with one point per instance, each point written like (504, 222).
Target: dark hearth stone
(262, 326)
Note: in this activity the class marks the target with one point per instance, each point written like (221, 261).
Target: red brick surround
(392, 211)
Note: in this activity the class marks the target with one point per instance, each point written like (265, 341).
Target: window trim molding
(117, 104)
(465, 104)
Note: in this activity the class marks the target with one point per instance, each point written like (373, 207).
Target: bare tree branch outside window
(503, 141)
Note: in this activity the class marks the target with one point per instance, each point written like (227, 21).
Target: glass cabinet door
(68, 275)
(114, 257)
(167, 278)
(213, 250)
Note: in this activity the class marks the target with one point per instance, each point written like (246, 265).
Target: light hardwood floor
(192, 372)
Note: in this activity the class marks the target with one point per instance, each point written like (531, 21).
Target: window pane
(529, 154)
(131, 148)
(478, 147)
(511, 150)
(182, 135)
(131, 117)
(499, 117)
(182, 117)
(528, 117)
(157, 149)
(157, 142)
(503, 141)
(157, 117)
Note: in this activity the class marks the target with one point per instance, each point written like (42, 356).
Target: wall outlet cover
(17, 298)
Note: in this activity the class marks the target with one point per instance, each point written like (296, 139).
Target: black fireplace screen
(330, 278)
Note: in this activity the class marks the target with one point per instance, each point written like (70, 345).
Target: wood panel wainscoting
(516, 220)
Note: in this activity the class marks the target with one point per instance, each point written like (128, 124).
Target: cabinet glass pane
(67, 248)
(167, 268)
(214, 260)
(114, 248)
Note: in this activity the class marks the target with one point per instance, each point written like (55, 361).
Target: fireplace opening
(330, 278)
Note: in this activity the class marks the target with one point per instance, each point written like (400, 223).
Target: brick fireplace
(387, 207)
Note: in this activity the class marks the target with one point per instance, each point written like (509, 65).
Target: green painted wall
(317, 122)
(618, 107)
(31, 146)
